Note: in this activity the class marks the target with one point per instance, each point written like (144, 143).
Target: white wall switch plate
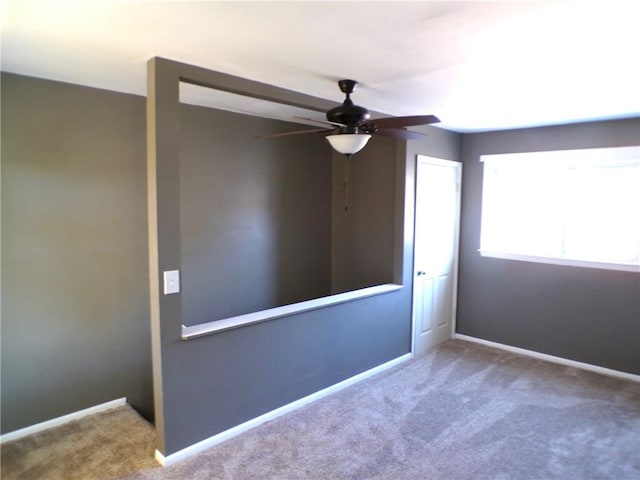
(171, 282)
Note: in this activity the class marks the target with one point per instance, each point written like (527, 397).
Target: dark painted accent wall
(75, 310)
(363, 234)
(255, 215)
(363, 241)
(582, 314)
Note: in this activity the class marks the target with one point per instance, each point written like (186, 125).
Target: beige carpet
(463, 411)
(106, 445)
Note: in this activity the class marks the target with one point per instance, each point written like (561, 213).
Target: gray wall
(255, 215)
(362, 252)
(363, 241)
(75, 315)
(582, 314)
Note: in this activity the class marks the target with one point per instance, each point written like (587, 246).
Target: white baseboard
(551, 358)
(54, 422)
(243, 427)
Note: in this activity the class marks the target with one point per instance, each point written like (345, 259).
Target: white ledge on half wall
(195, 331)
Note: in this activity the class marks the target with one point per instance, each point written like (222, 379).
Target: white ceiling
(477, 65)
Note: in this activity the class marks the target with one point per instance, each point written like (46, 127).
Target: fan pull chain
(346, 182)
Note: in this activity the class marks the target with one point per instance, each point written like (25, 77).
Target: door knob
(420, 273)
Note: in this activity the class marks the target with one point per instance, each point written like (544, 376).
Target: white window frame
(563, 160)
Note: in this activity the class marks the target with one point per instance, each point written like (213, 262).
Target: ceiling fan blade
(297, 132)
(325, 122)
(397, 122)
(400, 133)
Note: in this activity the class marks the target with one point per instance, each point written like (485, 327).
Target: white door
(436, 251)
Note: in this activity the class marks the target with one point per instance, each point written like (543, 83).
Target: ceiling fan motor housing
(348, 114)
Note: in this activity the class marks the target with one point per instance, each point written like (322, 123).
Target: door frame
(456, 251)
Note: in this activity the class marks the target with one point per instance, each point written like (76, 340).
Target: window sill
(561, 261)
(209, 328)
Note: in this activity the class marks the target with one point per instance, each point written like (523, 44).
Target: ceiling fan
(350, 127)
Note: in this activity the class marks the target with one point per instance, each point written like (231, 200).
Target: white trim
(625, 267)
(551, 358)
(243, 427)
(55, 422)
(195, 331)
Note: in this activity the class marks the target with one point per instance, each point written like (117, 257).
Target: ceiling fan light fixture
(348, 143)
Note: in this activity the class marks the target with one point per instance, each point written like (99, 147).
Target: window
(571, 207)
